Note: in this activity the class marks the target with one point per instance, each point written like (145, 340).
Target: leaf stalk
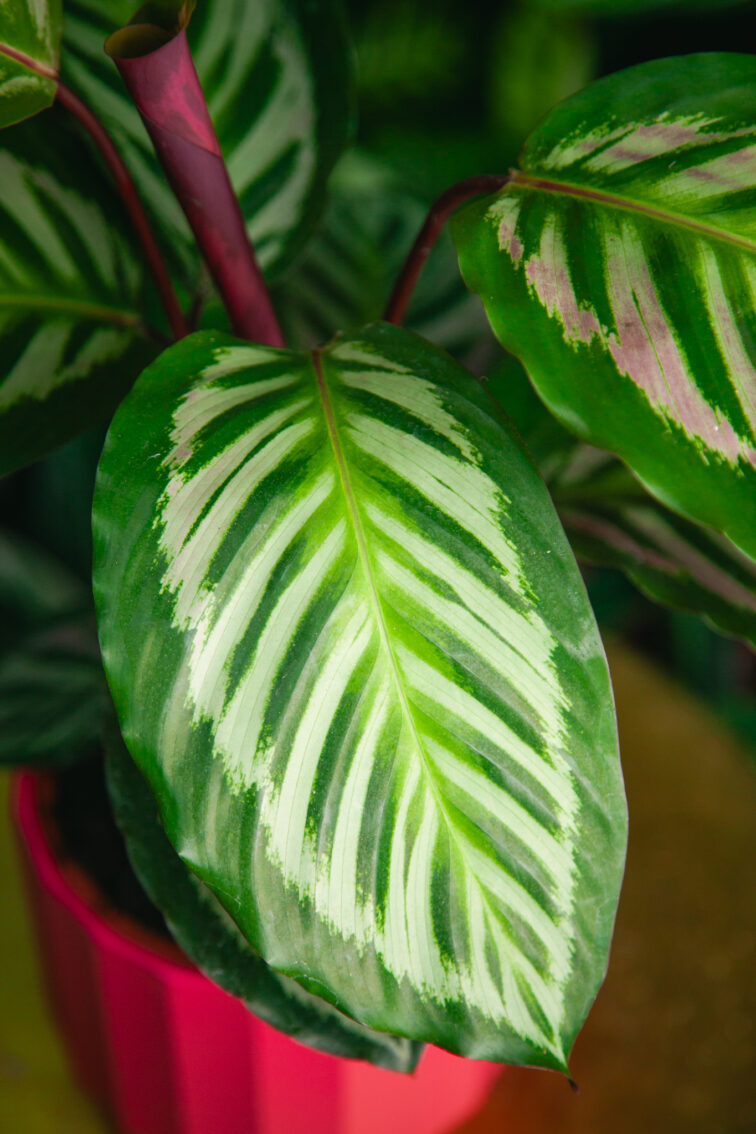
(440, 211)
(166, 90)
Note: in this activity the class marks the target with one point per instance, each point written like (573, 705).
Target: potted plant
(361, 745)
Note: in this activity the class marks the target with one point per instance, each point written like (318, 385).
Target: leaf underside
(620, 266)
(352, 654)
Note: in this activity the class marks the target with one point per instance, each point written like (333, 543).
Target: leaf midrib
(613, 200)
(375, 599)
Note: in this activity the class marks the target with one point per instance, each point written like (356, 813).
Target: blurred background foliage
(445, 90)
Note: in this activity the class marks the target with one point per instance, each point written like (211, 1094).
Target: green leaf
(33, 28)
(346, 274)
(538, 59)
(53, 695)
(276, 76)
(71, 334)
(636, 7)
(53, 692)
(210, 938)
(620, 266)
(35, 587)
(611, 521)
(353, 655)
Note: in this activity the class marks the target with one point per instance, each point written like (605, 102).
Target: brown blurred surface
(671, 1043)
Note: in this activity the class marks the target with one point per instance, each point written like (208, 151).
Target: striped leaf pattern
(620, 266)
(32, 27)
(71, 334)
(276, 77)
(353, 655)
(206, 933)
(611, 521)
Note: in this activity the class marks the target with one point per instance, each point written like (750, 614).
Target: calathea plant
(366, 758)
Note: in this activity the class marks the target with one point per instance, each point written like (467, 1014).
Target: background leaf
(53, 691)
(620, 266)
(53, 695)
(277, 82)
(71, 292)
(34, 28)
(346, 274)
(611, 521)
(637, 7)
(432, 651)
(210, 938)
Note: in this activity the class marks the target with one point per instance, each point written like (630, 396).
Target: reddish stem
(167, 93)
(439, 213)
(124, 184)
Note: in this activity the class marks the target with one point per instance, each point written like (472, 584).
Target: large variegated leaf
(612, 521)
(72, 337)
(351, 651)
(276, 77)
(207, 934)
(33, 28)
(620, 266)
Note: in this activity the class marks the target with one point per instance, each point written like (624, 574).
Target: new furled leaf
(30, 29)
(620, 265)
(276, 77)
(353, 655)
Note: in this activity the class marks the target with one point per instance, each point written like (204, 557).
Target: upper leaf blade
(32, 28)
(276, 76)
(353, 655)
(620, 266)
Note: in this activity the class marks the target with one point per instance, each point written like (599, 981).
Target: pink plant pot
(162, 1050)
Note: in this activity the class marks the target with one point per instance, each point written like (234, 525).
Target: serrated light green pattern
(620, 266)
(351, 651)
(275, 75)
(32, 27)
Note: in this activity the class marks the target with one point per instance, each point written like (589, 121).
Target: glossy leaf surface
(71, 332)
(612, 521)
(276, 78)
(620, 266)
(32, 27)
(210, 938)
(353, 655)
